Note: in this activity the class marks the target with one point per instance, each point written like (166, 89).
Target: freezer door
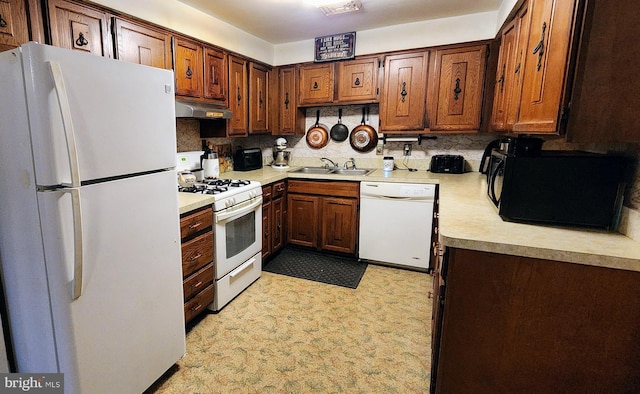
(122, 115)
(127, 327)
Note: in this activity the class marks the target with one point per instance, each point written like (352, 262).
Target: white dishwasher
(395, 223)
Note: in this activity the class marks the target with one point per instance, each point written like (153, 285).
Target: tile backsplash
(470, 146)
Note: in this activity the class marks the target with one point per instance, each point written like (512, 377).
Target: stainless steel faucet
(353, 164)
(327, 161)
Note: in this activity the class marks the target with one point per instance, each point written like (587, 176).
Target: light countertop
(469, 221)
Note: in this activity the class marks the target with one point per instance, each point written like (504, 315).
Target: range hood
(200, 110)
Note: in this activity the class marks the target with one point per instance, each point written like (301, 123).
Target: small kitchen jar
(387, 163)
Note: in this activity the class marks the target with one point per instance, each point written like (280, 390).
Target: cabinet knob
(3, 22)
(286, 100)
(539, 49)
(189, 73)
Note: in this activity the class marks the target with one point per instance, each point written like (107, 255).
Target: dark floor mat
(333, 270)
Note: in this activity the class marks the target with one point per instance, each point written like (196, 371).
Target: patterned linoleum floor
(289, 335)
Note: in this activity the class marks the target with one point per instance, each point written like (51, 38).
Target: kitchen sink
(334, 171)
(352, 171)
(313, 170)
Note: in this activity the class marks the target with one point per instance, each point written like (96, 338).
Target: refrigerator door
(122, 115)
(127, 327)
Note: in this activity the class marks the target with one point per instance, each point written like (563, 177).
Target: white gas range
(237, 228)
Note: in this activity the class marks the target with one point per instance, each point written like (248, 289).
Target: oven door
(237, 235)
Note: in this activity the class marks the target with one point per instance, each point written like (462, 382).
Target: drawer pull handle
(195, 225)
(196, 307)
(3, 23)
(196, 257)
(197, 285)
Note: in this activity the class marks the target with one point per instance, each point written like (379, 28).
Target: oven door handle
(238, 210)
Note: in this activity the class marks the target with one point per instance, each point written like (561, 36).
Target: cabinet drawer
(329, 188)
(198, 303)
(278, 189)
(195, 222)
(196, 253)
(198, 281)
(267, 193)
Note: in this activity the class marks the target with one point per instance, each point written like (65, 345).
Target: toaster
(247, 159)
(453, 164)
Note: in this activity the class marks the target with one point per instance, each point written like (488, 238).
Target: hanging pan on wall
(339, 132)
(363, 137)
(318, 135)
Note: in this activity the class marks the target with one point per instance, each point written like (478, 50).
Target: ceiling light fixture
(331, 7)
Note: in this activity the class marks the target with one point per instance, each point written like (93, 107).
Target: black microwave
(568, 188)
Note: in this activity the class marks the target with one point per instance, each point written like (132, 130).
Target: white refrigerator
(89, 221)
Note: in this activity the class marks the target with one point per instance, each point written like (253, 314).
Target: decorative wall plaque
(335, 47)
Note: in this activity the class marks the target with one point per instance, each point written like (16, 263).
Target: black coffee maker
(520, 146)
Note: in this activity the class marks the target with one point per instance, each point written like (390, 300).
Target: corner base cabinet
(196, 233)
(509, 324)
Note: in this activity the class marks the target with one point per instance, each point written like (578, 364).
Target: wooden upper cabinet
(504, 109)
(604, 104)
(545, 66)
(402, 106)
(188, 68)
(79, 27)
(215, 75)
(455, 88)
(291, 120)
(316, 84)
(258, 99)
(14, 24)
(358, 80)
(238, 100)
(137, 43)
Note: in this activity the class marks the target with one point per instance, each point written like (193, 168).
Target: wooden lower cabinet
(197, 261)
(323, 215)
(273, 217)
(509, 324)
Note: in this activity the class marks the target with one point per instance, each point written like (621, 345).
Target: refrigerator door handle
(78, 253)
(67, 121)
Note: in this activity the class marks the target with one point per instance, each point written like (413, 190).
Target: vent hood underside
(200, 110)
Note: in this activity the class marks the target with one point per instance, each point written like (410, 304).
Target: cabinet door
(238, 102)
(140, 44)
(290, 118)
(14, 28)
(215, 75)
(339, 217)
(358, 80)
(316, 84)
(258, 99)
(503, 94)
(277, 225)
(266, 229)
(303, 213)
(402, 106)
(188, 68)
(79, 28)
(456, 85)
(545, 66)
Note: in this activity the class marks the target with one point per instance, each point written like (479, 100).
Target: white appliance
(89, 225)
(395, 223)
(237, 218)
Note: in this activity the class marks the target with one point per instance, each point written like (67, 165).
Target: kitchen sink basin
(313, 170)
(333, 171)
(352, 171)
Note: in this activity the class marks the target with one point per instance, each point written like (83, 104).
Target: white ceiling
(282, 21)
